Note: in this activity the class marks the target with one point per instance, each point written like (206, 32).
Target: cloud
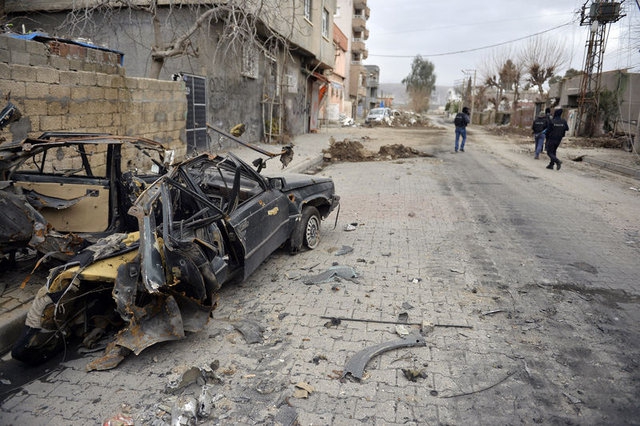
(436, 30)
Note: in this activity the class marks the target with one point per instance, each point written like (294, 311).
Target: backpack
(540, 125)
(459, 121)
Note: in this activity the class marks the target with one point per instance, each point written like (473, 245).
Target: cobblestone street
(526, 276)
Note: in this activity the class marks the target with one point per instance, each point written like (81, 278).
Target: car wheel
(311, 223)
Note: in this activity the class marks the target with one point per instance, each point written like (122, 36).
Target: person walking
(539, 128)
(555, 131)
(461, 121)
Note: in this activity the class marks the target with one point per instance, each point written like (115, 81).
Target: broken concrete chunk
(337, 271)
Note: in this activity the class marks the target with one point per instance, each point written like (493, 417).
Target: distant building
(625, 85)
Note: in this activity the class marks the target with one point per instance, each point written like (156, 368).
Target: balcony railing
(359, 23)
(357, 45)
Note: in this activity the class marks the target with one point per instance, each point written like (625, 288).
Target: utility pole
(597, 16)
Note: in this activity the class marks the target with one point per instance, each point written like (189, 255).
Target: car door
(260, 222)
(71, 185)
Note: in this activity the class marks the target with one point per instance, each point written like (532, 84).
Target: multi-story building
(351, 17)
(372, 97)
(263, 63)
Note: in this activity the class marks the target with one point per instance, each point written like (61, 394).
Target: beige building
(351, 17)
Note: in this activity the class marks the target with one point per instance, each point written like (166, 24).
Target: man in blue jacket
(461, 121)
(555, 132)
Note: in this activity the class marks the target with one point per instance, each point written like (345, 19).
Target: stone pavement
(408, 263)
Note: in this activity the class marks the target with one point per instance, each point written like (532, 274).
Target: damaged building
(260, 63)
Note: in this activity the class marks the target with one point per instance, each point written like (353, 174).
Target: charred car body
(208, 221)
(63, 191)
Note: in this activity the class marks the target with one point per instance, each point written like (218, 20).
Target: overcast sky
(402, 29)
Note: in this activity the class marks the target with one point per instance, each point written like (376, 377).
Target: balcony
(357, 45)
(359, 22)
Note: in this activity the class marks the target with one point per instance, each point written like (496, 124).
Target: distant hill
(400, 98)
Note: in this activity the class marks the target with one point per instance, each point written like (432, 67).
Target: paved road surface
(543, 265)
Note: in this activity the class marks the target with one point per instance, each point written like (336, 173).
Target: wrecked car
(63, 191)
(378, 116)
(209, 221)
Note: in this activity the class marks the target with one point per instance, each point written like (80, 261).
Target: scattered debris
(491, 312)
(337, 320)
(250, 330)
(351, 226)
(331, 274)
(184, 411)
(334, 322)
(356, 364)
(303, 390)
(572, 399)
(119, 420)
(413, 375)
(344, 250)
(316, 359)
(483, 389)
(403, 317)
(407, 305)
(401, 330)
(194, 375)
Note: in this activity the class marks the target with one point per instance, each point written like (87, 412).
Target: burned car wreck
(208, 221)
(63, 191)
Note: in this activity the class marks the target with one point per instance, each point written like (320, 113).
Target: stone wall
(63, 86)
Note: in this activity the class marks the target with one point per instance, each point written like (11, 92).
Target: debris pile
(411, 119)
(354, 151)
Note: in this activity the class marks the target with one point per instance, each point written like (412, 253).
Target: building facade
(351, 18)
(243, 61)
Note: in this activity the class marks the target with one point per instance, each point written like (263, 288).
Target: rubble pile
(354, 151)
(411, 119)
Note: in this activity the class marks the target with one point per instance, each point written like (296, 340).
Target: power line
(477, 48)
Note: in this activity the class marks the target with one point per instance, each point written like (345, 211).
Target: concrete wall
(59, 86)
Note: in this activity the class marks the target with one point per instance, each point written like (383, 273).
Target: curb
(613, 167)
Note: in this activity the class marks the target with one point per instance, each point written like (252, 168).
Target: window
(249, 61)
(325, 23)
(196, 126)
(307, 10)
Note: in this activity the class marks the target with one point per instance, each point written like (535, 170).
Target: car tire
(307, 232)
(311, 221)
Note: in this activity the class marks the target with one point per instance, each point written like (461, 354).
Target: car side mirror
(276, 183)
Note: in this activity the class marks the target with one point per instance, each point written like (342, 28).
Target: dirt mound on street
(354, 151)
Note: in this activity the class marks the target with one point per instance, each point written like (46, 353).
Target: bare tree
(261, 23)
(502, 73)
(542, 57)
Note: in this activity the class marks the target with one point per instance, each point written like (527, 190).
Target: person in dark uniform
(555, 132)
